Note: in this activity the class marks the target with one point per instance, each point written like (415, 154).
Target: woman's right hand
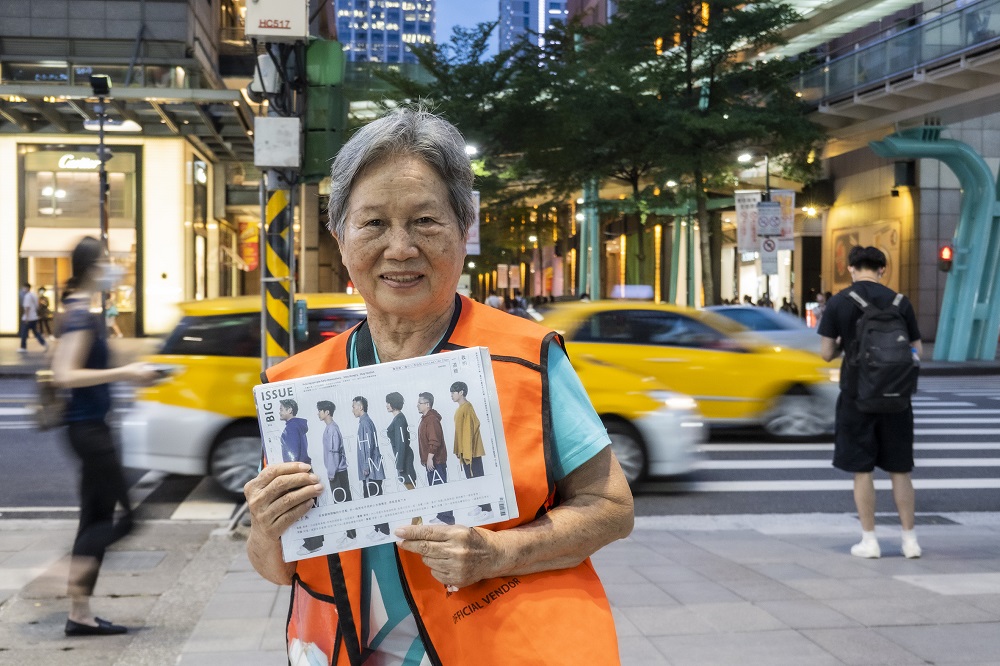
(139, 373)
(280, 495)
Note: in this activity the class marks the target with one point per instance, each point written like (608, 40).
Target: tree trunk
(709, 282)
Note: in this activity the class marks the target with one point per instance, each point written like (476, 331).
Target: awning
(60, 241)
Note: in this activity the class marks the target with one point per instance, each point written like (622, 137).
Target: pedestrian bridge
(945, 68)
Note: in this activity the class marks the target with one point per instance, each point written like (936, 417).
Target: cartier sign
(70, 161)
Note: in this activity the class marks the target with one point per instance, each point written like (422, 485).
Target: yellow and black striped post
(277, 280)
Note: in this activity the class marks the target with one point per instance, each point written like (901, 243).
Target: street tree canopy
(668, 89)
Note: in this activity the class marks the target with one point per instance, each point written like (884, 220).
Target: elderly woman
(522, 591)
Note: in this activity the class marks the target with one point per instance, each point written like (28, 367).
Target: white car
(780, 328)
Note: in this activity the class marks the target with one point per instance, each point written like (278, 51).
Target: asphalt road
(957, 424)
(958, 466)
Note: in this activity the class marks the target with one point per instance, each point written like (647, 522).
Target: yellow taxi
(201, 419)
(735, 378)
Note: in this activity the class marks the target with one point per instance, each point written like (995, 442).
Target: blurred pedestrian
(29, 318)
(865, 440)
(494, 301)
(820, 308)
(111, 316)
(44, 314)
(81, 364)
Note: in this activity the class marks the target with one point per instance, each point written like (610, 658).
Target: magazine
(410, 442)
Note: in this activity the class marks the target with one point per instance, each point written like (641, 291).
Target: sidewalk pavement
(769, 590)
(125, 350)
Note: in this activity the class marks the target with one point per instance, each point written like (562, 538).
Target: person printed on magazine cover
(334, 457)
(469, 443)
(295, 448)
(399, 436)
(294, 444)
(433, 454)
(370, 469)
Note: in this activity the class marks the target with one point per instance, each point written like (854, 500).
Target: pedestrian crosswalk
(956, 423)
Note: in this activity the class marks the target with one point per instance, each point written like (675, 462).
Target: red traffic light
(945, 256)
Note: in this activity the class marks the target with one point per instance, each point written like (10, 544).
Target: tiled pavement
(685, 590)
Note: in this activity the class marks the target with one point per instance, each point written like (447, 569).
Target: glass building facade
(382, 30)
(528, 18)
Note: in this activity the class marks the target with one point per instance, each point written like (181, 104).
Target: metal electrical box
(277, 20)
(277, 142)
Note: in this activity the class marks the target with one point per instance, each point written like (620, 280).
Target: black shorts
(863, 441)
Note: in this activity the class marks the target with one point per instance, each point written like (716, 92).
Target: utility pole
(278, 79)
(101, 86)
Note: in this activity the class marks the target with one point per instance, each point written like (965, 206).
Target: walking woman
(81, 363)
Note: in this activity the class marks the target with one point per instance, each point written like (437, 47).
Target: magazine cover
(401, 443)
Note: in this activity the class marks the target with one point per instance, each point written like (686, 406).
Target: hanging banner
(786, 241)
(746, 220)
(769, 219)
(769, 256)
(249, 245)
(472, 239)
(502, 276)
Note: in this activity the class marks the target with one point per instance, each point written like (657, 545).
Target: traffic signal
(945, 256)
(325, 107)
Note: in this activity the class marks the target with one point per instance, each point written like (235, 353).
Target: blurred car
(781, 328)
(736, 379)
(201, 419)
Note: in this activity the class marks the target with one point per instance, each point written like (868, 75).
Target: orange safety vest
(553, 617)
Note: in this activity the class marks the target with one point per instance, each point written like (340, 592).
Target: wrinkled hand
(280, 495)
(456, 555)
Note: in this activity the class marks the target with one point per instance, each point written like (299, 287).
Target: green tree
(668, 89)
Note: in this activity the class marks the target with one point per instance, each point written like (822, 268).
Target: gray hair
(404, 131)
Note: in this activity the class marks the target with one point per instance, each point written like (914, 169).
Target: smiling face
(402, 244)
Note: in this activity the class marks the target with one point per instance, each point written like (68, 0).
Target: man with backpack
(876, 329)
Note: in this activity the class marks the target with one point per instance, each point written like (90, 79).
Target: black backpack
(882, 364)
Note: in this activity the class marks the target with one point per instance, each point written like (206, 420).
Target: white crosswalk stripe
(957, 447)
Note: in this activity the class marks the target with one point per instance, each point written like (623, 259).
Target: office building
(520, 19)
(382, 30)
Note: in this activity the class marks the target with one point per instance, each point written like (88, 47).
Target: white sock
(868, 536)
(909, 535)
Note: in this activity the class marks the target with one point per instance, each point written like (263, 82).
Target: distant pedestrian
(111, 316)
(29, 318)
(81, 364)
(494, 301)
(44, 313)
(864, 440)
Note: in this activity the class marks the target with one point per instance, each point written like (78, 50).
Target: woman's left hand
(456, 555)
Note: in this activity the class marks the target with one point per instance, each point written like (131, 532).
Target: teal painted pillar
(591, 238)
(969, 321)
(675, 260)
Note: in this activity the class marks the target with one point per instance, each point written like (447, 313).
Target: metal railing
(936, 42)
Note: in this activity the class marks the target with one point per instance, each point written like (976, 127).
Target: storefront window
(35, 73)
(61, 203)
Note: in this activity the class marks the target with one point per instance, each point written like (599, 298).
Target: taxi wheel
(235, 457)
(628, 449)
(796, 415)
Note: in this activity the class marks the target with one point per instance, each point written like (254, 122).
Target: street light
(101, 85)
(745, 158)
